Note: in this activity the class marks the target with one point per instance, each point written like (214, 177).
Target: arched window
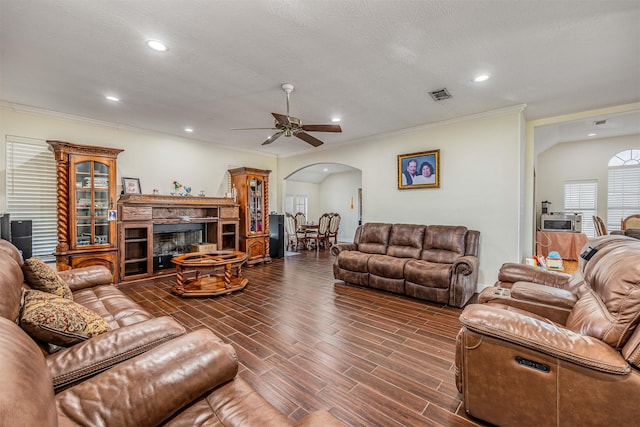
(623, 198)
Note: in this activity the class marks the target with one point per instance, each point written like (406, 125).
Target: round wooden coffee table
(220, 277)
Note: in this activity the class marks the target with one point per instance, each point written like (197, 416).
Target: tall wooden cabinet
(252, 190)
(86, 181)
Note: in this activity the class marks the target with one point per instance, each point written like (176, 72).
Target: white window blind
(623, 197)
(581, 196)
(31, 190)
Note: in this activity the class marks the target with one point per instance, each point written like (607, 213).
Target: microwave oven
(561, 221)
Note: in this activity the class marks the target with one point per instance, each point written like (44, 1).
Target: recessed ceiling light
(592, 134)
(325, 170)
(481, 78)
(157, 45)
(336, 120)
(188, 129)
(112, 98)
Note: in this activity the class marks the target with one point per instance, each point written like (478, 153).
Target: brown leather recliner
(515, 366)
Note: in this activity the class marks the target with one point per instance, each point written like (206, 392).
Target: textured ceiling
(371, 62)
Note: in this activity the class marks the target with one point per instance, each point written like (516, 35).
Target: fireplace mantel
(142, 218)
(155, 199)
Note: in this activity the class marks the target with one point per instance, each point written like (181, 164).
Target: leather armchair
(517, 367)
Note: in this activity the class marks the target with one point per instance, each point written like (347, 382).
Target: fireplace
(170, 240)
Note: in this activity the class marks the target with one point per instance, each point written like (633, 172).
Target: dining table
(306, 230)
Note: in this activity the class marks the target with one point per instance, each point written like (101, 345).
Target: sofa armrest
(512, 272)
(543, 294)
(90, 357)
(466, 265)
(86, 277)
(148, 389)
(543, 336)
(548, 302)
(339, 247)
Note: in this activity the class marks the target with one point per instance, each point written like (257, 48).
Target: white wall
(481, 163)
(294, 188)
(579, 160)
(336, 193)
(157, 159)
(480, 172)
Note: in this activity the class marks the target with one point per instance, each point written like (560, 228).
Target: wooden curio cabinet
(252, 192)
(86, 181)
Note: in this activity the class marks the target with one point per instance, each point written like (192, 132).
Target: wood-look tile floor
(306, 341)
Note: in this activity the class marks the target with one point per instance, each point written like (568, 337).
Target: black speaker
(21, 236)
(276, 236)
(5, 227)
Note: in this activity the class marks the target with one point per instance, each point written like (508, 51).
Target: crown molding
(27, 109)
(519, 108)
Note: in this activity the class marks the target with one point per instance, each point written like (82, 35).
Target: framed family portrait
(131, 186)
(419, 170)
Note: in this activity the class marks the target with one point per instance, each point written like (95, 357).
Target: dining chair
(302, 234)
(601, 228)
(301, 219)
(290, 231)
(321, 235)
(334, 225)
(632, 221)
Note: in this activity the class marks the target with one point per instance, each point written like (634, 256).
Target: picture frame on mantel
(419, 170)
(131, 186)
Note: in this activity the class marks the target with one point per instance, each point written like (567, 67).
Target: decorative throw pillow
(60, 321)
(41, 277)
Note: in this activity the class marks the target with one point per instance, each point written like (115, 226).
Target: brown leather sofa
(437, 263)
(570, 358)
(144, 371)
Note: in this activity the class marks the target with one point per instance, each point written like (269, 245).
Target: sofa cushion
(387, 266)
(27, 393)
(443, 243)
(11, 278)
(60, 321)
(374, 238)
(406, 240)
(430, 274)
(41, 277)
(112, 305)
(354, 261)
(8, 248)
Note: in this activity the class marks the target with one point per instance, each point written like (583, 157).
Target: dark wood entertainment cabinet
(152, 229)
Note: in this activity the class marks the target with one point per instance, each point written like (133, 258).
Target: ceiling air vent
(439, 95)
(600, 122)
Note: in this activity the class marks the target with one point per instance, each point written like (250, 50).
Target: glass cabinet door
(92, 203)
(255, 205)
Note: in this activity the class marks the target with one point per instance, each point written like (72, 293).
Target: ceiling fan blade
(254, 129)
(282, 119)
(273, 138)
(322, 128)
(308, 138)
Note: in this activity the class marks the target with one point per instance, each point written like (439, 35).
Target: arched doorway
(326, 187)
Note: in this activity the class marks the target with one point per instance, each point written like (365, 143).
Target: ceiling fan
(292, 126)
